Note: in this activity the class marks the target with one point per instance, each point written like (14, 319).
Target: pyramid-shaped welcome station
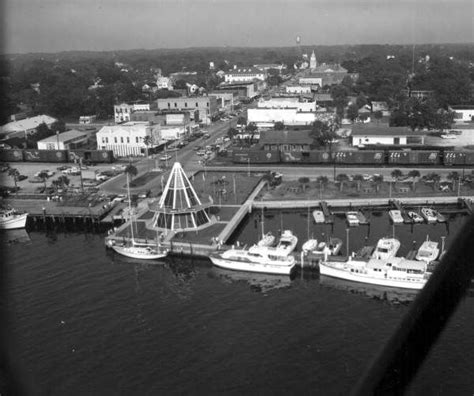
(179, 208)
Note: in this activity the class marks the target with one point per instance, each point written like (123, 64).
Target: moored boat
(440, 218)
(268, 260)
(415, 217)
(287, 242)
(11, 219)
(394, 272)
(267, 240)
(318, 216)
(396, 216)
(386, 248)
(429, 214)
(309, 245)
(352, 218)
(428, 251)
(330, 248)
(140, 252)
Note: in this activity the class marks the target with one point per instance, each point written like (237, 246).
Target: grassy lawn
(144, 179)
(293, 190)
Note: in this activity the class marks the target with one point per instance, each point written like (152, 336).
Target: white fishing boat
(440, 218)
(415, 217)
(309, 245)
(386, 248)
(396, 216)
(11, 219)
(429, 214)
(352, 218)
(268, 239)
(394, 272)
(318, 216)
(267, 260)
(428, 251)
(287, 242)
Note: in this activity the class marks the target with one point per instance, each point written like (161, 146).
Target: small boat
(287, 242)
(396, 216)
(429, 214)
(140, 252)
(267, 240)
(318, 216)
(428, 251)
(267, 260)
(309, 245)
(441, 218)
(395, 272)
(11, 219)
(330, 248)
(415, 217)
(352, 218)
(386, 248)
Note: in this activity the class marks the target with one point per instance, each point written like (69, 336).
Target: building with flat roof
(463, 113)
(27, 126)
(128, 139)
(267, 117)
(287, 102)
(369, 134)
(123, 111)
(298, 89)
(286, 140)
(63, 141)
(200, 108)
(244, 74)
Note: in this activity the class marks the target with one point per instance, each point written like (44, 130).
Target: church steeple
(313, 62)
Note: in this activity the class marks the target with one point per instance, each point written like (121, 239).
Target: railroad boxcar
(31, 155)
(399, 157)
(360, 157)
(11, 155)
(460, 158)
(99, 156)
(425, 157)
(255, 156)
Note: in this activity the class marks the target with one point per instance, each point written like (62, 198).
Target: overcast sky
(57, 25)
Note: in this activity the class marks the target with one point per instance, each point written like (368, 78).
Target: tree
(232, 132)
(396, 174)
(322, 182)
(358, 178)
(339, 96)
(251, 128)
(43, 176)
(414, 174)
(241, 121)
(322, 134)
(377, 180)
(14, 174)
(58, 126)
(453, 177)
(352, 112)
(279, 126)
(130, 171)
(378, 115)
(361, 100)
(304, 181)
(341, 178)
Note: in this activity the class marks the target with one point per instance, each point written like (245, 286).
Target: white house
(287, 103)
(310, 80)
(123, 111)
(369, 134)
(463, 113)
(27, 126)
(298, 89)
(244, 74)
(128, 138)
(63, 141)
(264, 117)
(87, 119)
(164, 83)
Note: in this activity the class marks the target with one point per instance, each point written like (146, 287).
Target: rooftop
(65, 136)
(27, 123)
(245, 70)
(381, 130)
(282, 137)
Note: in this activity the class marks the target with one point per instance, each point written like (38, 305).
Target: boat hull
(251, 267)
(17, 221)
(361, 278)
(139, 253)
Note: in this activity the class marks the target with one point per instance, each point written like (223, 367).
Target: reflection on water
(389, 294)
(13, 237)
(260, 283)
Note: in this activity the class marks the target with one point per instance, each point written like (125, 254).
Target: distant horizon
(237, 46)
(52, 26)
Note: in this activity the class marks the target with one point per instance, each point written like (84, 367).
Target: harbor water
(84, 321)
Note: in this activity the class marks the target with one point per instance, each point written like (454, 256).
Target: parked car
(201, 153)
(101, 177)
(165, 157)
(63, 167)
(22, 177)
(448, 136)
(144, 194)
(46, 171)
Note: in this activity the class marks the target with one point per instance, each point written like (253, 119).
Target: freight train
(439, 157)
(63, 156)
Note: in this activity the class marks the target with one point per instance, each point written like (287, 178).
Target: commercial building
(298, 89)
(63, 141)
(128, 139)
(265, 118)
(164, 83)
(123, 111)
(87, 119)
(291, 102)
(225, 100)
(286, 140)
(200, 108)
(265, 67)
(369, 134)
(244, 74)
(240, 91)
(463, 113)
(26, 126)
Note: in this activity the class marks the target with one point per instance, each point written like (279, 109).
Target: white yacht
(141, 251)
(386, 248)
(318, 216)
(268, 260)
(415, 217)
(396, 216)
(330, 248)
(11, 219)
(287, 242)
(428, 251)
(394, 272)
(309, 245)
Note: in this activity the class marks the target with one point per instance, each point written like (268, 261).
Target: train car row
(62, 156)
(366, 157)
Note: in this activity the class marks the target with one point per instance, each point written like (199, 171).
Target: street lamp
(248, 166)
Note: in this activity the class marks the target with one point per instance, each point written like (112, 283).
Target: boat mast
(130, 207)
(263, 229)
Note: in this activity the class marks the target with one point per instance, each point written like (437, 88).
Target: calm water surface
(85, 321)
